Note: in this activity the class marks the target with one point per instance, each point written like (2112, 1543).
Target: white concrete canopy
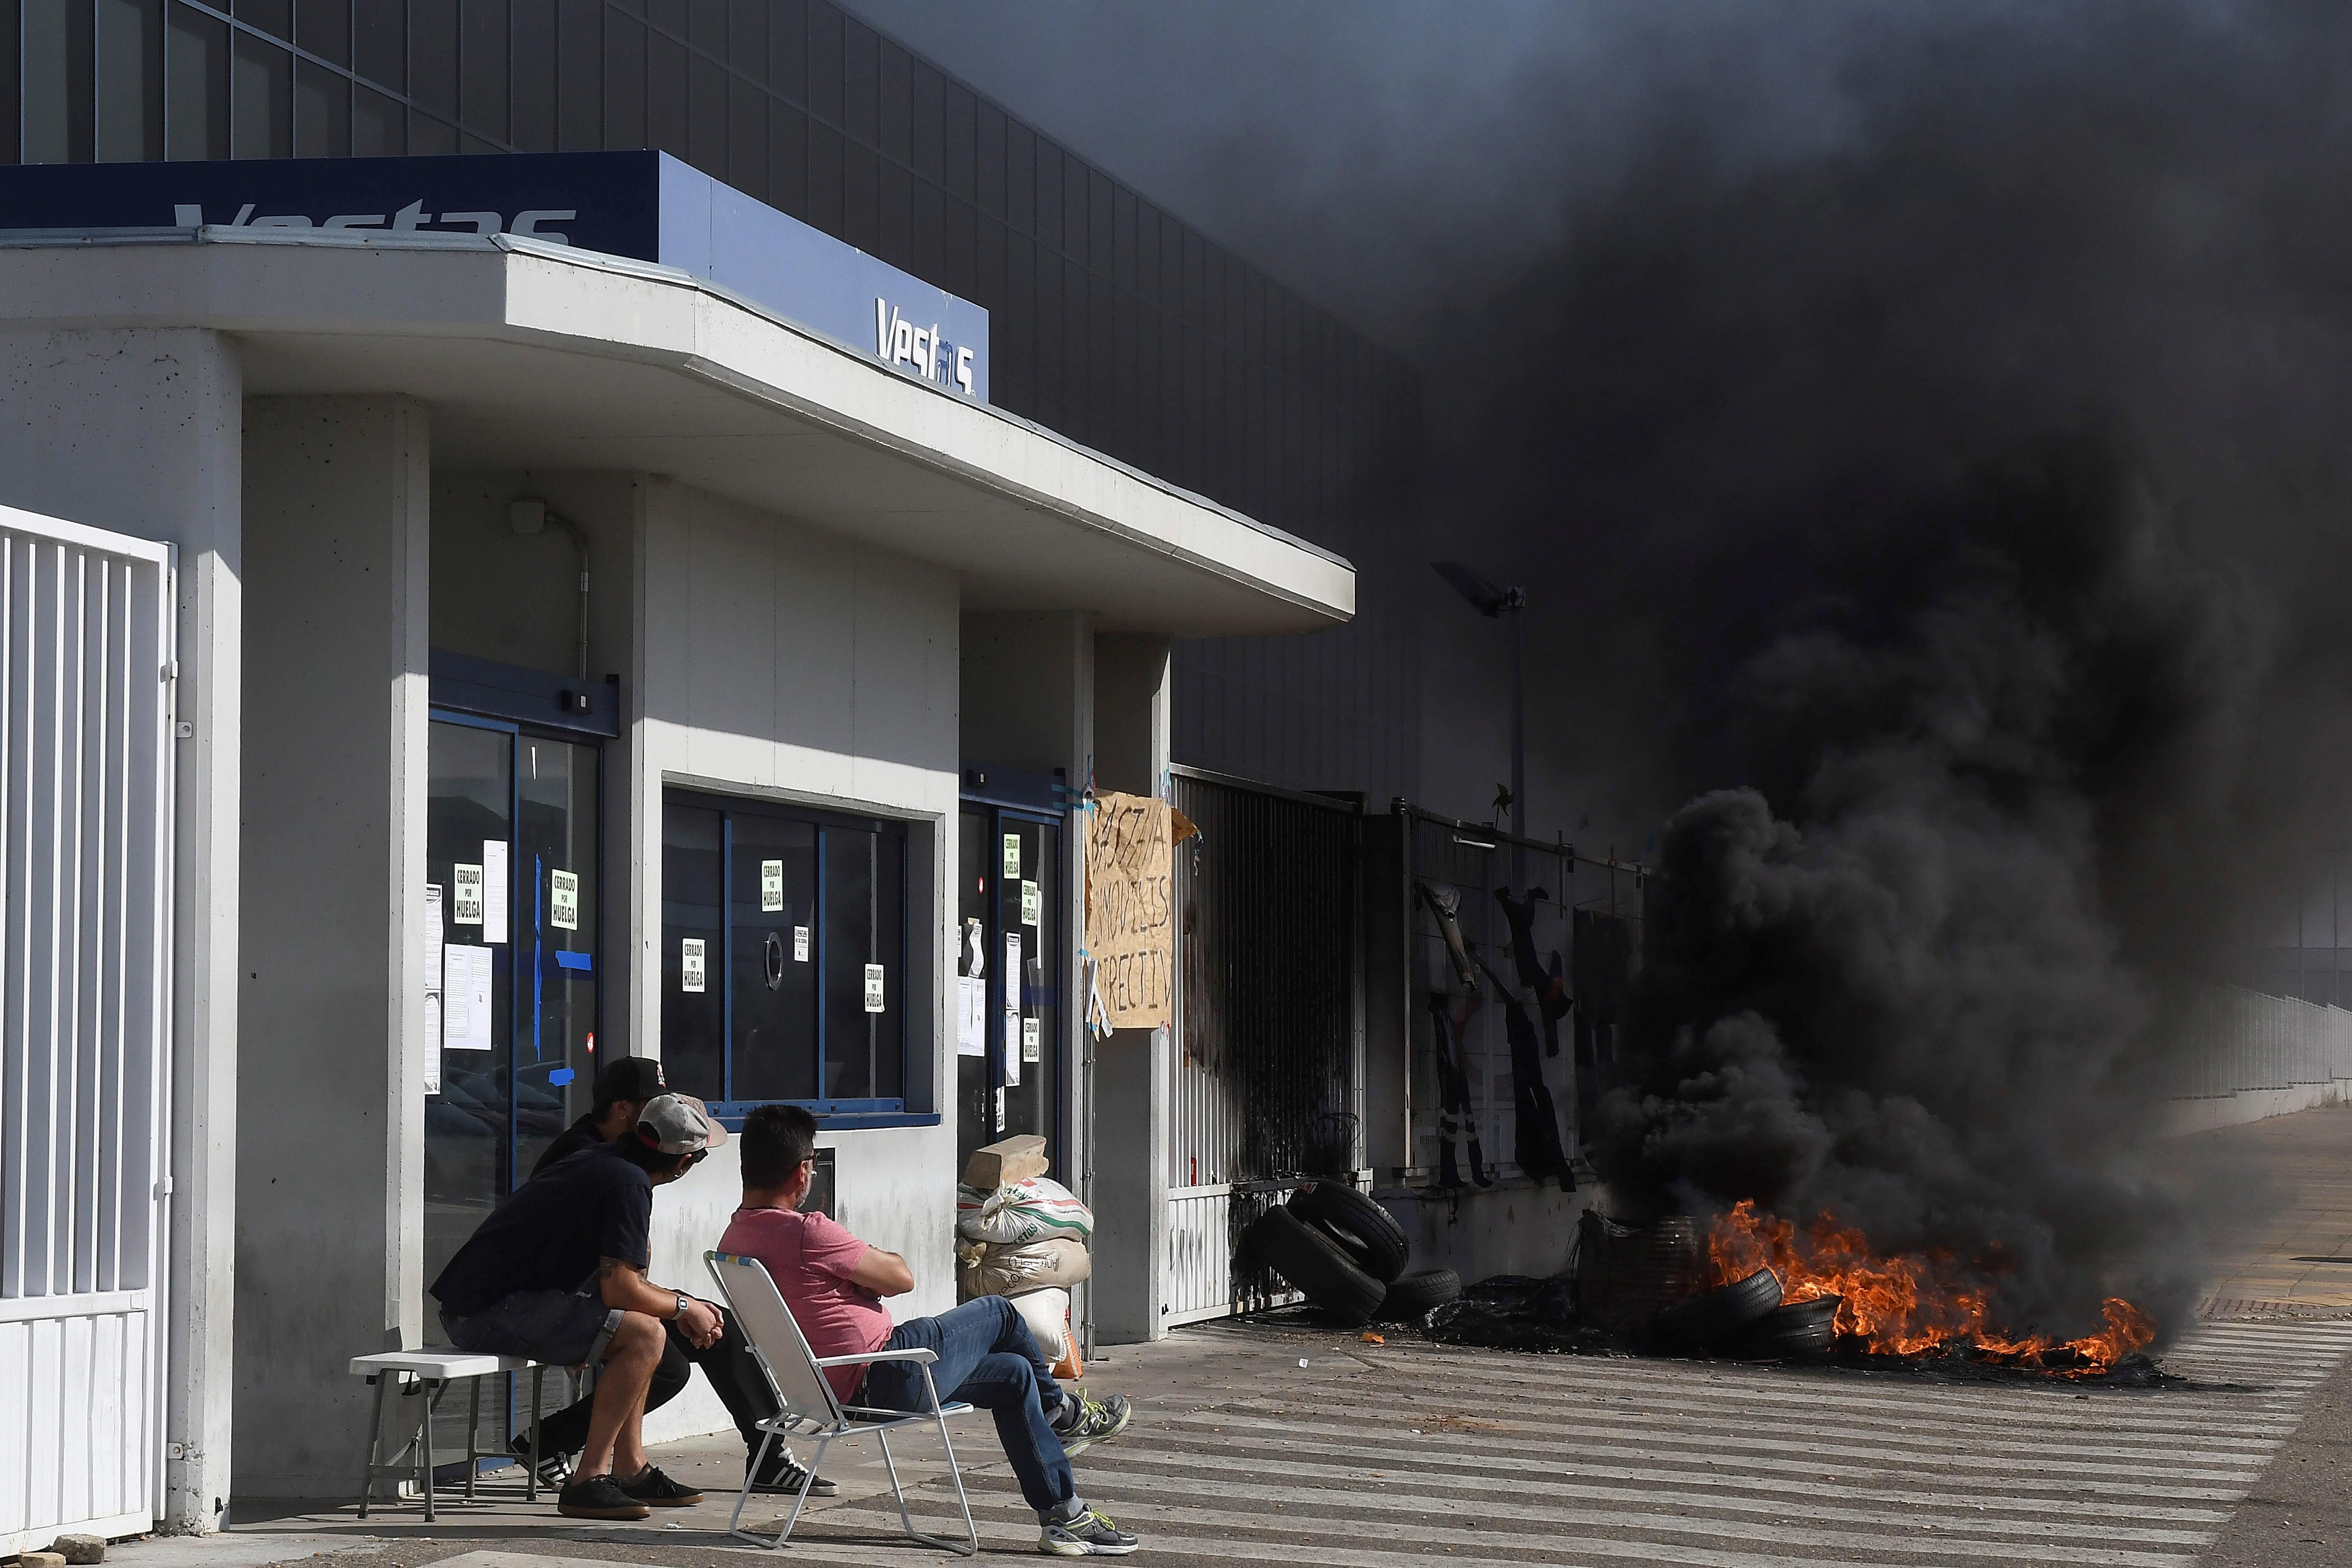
(531, 355)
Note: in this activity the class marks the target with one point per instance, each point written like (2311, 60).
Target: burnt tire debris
(1414, 1296)
(1366, 1232)
(1714, 1318)
(1316, 1266)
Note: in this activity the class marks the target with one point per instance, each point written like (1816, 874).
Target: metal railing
(1476, 859)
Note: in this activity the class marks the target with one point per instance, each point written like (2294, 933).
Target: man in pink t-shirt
(834, 1283)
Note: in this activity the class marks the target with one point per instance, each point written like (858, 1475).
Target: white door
(86, 667)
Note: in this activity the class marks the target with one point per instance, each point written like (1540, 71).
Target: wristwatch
(680, 1310)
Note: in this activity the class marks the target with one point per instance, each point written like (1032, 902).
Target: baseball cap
(629, 1077)
(679, 1124)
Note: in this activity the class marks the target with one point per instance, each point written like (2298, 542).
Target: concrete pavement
(1276, 1441)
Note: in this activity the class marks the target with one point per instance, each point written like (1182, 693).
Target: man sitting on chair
(624, 1088)
(557, 1273)
(834, 1283)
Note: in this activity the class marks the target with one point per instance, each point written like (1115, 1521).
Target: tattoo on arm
(608, 1266)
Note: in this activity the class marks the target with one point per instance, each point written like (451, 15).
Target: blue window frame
(783, 965)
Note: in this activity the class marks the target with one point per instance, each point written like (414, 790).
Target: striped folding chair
(809, 1410)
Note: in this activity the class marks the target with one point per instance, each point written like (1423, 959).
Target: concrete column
(1131, 1067)
(137, 431)
(330, 1215)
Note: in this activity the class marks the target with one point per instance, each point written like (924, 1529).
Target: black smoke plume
(1893, 981)
(1922, 433)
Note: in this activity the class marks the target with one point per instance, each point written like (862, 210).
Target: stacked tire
(1346, 1254)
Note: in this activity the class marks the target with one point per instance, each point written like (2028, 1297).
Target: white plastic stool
(434, 1371)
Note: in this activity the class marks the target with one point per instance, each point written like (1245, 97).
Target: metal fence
(1265, 1073)
(1474, 861)
(2237, 1040)
(86, 667)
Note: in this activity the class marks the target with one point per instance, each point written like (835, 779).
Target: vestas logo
(900, 342)
(410, 219)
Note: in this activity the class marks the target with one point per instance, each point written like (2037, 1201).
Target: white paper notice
(972, 1021)
(1011, 1035)
(799, 944)
(689, 964)
(1013, 854)
(771, 886)
(428, 988)
(494, 890)
(467, 881)
(1032, 1039)
(874, 987)
(466, 984)
(433, 1033)
(563, 900)
(1032, 904)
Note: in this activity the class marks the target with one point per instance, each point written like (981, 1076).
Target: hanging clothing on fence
(1545, 986)
(1456, 1121)
(1535, 1118)
(1602, 972)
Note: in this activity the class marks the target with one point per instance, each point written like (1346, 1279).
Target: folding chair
(796, 1378)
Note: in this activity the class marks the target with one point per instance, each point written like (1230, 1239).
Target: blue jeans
(988, 1358)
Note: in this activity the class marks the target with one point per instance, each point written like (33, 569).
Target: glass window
(482, 39)
(533, 116)
(323, 111)
(693, 1009)
(262, 110)
(799, 992)
(1007, 1004)
(379, 47)
(131, 79)
(580, 75)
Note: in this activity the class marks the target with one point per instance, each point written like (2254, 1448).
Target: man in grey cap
(624, 1088)
(557, 1273)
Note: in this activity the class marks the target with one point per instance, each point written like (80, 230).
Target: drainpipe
(533, 517)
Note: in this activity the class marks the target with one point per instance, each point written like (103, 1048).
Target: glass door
(511, 891)
(1008, 987)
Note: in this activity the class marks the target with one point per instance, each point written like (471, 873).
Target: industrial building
(643, 523)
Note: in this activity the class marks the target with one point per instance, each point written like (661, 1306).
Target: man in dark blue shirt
(557, 1273)
(625, 1086)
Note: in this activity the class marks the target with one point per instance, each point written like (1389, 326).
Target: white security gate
(86, 667)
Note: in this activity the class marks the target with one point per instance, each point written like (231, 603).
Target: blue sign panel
(646, 205)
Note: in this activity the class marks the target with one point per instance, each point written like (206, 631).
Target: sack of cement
(1047, 1313)
(986, 1269)
(1035, 1209)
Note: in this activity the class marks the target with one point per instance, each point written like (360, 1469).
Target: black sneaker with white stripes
(783, 1474)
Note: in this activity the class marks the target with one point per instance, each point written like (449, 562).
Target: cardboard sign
(1131, 910)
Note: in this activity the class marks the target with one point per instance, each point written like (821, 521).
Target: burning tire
(1367, 1233)
(1721, 1313)
(1315, 1265)
(1790, 1331)
(1412, 1294)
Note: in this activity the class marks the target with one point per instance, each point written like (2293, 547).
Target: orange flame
(1903, 1306)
